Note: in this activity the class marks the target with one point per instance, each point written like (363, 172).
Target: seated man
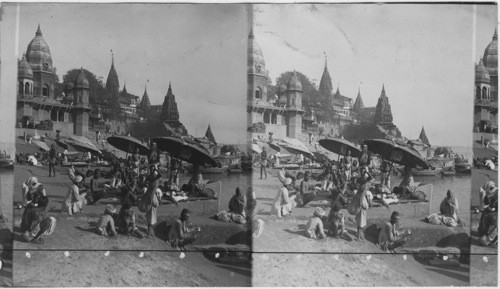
(237, 203)
(488, 224)
(126, 221)
(314, 227)
(449, 206)
(106, 223)
(389, 238)
(179, 234)
(337, 223)
(306, 192)
(36, 222)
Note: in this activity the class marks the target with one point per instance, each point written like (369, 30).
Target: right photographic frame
(364, 148)
(484, 193)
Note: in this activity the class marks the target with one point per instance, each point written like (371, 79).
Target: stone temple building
(36, 99)
(486, 90)
(281, 117)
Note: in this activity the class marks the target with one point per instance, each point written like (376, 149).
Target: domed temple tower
(36, 100)
(39, 57)
(486, 90)
(490, 60)
(25, 78)
(257, 74)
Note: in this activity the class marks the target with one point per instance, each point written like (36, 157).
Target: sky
(423, 54)
(200, 49)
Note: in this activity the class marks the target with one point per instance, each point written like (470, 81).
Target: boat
(429, 172)
(6, 161)
(288, 166)
(234, 169)
(448, 171)
(212, 170)
(464, 168)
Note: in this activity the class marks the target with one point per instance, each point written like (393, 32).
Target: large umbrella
(189, 152)
(295, 149)
(84, 147)
(256, 148)
(393, 152)
(41, 145)
(320, 157)
(128, 144)
(340, 146)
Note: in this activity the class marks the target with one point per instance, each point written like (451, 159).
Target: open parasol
(393, 152)
(256, 148)
(83, 147)
(177, 147)
(128, 144)
(340, 146)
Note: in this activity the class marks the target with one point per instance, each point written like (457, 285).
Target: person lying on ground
(314, 226)
(126, 221)
(180, 233)
(306, 193)
(283, 202)
(106, 223)
(36, 222)
(336, 226)
(488, 224)
(389, 237)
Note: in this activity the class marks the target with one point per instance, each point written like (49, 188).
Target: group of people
(349, 183)
(135, 181)
(485, 163)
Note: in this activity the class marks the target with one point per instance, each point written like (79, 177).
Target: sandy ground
(283, 256)
(87, 264)
(87, 268)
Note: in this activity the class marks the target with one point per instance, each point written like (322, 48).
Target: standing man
(52, 161)
(263, 162)
(365, 158)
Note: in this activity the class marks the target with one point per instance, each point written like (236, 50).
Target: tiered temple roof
(383, 114)
(169, 111)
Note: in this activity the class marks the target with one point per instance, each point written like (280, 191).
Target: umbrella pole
(218, 199)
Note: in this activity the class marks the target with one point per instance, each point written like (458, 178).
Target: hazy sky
(422, 53)
(201, 49)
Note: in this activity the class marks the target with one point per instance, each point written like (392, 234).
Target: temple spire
(423, 137)
(39, 31)
(495, 36)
